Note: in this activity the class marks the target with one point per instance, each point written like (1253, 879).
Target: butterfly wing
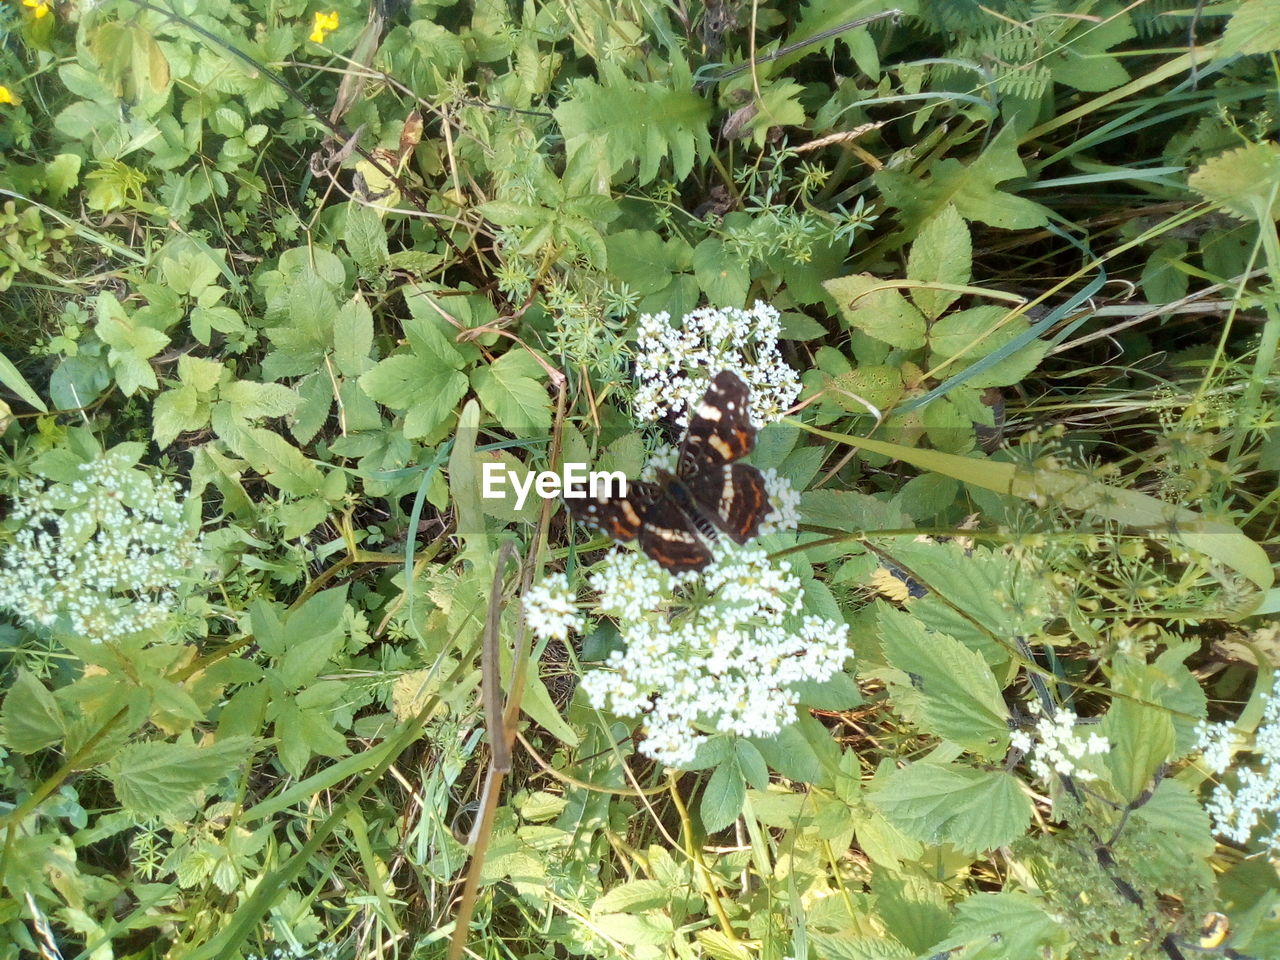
(647, 513)
(732, 495)
(720, 430)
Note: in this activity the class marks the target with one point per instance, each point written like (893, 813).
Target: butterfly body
(710, 493)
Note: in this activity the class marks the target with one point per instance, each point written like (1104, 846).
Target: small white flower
(675, 363)
(1056, 746)
(1255, 799)
(726, 663)
(550, 609)
(108, 552)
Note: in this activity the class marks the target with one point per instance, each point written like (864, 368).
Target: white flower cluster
(102, 556)
(1255, 799)
(675, 365)
(550, 608)
(1056, 747)
(727, 663)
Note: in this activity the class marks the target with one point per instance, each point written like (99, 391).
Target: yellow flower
(324, 23)
(39, 7)
(6, 95)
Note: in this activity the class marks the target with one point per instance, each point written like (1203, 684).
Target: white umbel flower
(104, 556)
(550, 608)
(1252, 799)
(727, 663)
(675, 363)
(1056, 748)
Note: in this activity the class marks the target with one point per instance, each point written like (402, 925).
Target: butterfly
(710, 492)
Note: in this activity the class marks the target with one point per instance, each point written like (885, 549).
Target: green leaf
(972, 188)
(1141, 736)
(353, 337)
(966, 336)
(1244, 182)
(723, 277)
(1253, 28)
(640, 122)
(1015, 921)
(132, 345)
(960, 697)
(635, 896)
(175, 411)
(30, 717)
(61, 175)
(723, 797)
(973, 810)
(640, 259)
(248, 401)
(509, 389)
(153, 779)
(15, 381)
(279, 463)
(426, 383)
(942, 253)
(873, 306)
(365, 236)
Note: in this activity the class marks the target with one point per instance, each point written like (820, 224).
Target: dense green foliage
(279, 279)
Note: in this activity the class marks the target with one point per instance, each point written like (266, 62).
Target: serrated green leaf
(1244, 182)
(365, 236)
(279, 463)
(249, 401)
(969, 335)
(722, 797)
(724, 278)
(353, 338)
(961, 699)
(175, 411)
(974, 810)
(508, 389)
(871, 305)
(635, 896)
(152, 779)
(426, 383)
(1253, 28)
(942, 253)
(30, 717)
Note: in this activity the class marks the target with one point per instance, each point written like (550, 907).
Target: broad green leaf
(365, 236)
(248, 401)
(942, 253)
(640, 259)
(279, 463)
(640, 122)
(650, 929)
(722, 797)
(353, 337)
(175, 411)
(961, 699)
(635, 896)
(873, 306)
(30, 717)
(973, 188)
(1244, 182)
(1253, 28)
(1016, 924)
(973, 810)
(961, 338)
(132, 345)
(724, 277)
(154, 778)
(427, 383)
(509, 389)
(1141, 736)
(1082, 61)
